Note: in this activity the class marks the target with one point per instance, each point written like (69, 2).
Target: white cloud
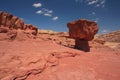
(96, 20)
(39, 12)
(105, 31)
(50, 11)
(90, 2)
(55, 18)
(93, 13)
(44, 11)
(48, 14)
(36, 5)
(96, 3)
(47, 10)
(102, 2)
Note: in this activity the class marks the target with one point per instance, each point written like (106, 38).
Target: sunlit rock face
(11, 26)
(82, 31)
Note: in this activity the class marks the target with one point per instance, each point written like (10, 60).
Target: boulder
(82, 31)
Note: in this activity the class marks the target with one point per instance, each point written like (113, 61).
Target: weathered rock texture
(82, 31)
(12, 27)
(45, 60)
(111, 37)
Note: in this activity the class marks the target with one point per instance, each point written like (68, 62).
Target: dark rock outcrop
(82, 31)
(11, 26)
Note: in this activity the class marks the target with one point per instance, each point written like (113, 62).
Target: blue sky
(54, 14)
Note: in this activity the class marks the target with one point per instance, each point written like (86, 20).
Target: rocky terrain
(111, 39)
(12, 27)
(32, 54)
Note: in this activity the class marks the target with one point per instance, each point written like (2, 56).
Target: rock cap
(82, 29)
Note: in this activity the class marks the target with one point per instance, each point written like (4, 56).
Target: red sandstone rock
(10, 25)
(3, 17)
(32, 29)
(13, 20)
(19, 24)
(82, 29)
(46, 60)
(82, 45)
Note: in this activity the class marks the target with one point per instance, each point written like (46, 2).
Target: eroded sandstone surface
(46, 60)
(12, 27)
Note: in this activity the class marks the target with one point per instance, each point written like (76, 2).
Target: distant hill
(111, 37)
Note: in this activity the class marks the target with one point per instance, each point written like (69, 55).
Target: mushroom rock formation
(12, 27)
(82, 31)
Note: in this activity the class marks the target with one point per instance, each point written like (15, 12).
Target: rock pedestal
(82, 45)
(82, 31)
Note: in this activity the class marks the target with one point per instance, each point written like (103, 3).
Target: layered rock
(111, 37)
(11, 26)
(82, 31)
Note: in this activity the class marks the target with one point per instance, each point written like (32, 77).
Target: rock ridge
(12, 27)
